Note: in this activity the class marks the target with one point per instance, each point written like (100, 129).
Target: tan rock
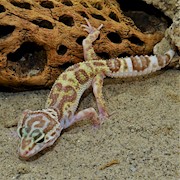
(40, 38)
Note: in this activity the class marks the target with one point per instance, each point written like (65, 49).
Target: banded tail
(138, 65)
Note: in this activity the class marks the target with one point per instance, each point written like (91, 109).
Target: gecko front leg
(89, 53)
(89, 113)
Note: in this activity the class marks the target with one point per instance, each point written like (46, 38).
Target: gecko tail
(170, 53)
(138, 65)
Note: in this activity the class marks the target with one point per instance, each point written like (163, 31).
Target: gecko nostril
(25, 152)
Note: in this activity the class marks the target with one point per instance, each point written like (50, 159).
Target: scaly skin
(40, 129)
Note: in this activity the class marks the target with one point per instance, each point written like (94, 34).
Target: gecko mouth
(27, 152)
(24, 155)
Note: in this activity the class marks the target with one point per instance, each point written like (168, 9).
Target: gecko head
(37, 130)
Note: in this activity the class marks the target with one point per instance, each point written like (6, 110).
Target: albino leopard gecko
(40, 129)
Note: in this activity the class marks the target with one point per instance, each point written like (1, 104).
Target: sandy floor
(141, 138)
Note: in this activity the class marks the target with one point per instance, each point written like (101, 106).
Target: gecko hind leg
(89, 53)
(97, 85)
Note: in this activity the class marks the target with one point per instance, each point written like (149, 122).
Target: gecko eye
(38, 136)
(40, 140)
(20, 133)
(23, 131)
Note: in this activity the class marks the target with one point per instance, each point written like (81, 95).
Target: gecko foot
(90, 29)
(103, 116)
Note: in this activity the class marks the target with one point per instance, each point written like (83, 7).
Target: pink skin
(89, 53)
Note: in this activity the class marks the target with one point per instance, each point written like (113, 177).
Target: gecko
(41, 128)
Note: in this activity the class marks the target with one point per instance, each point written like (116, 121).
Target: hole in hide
(80, 39)
(113, 16)
(84, 4)
(43, 23)
(97, 16)
(62, 50)
(97, 6)
(29, 59)
(24, 5)
(6, 30)
(67, 20)
(136, 40)
(2, 9)
(83, 14)
(47, 4)
(67, 3)
(114, 37)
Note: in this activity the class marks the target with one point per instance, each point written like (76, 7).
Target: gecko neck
(53, 111)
